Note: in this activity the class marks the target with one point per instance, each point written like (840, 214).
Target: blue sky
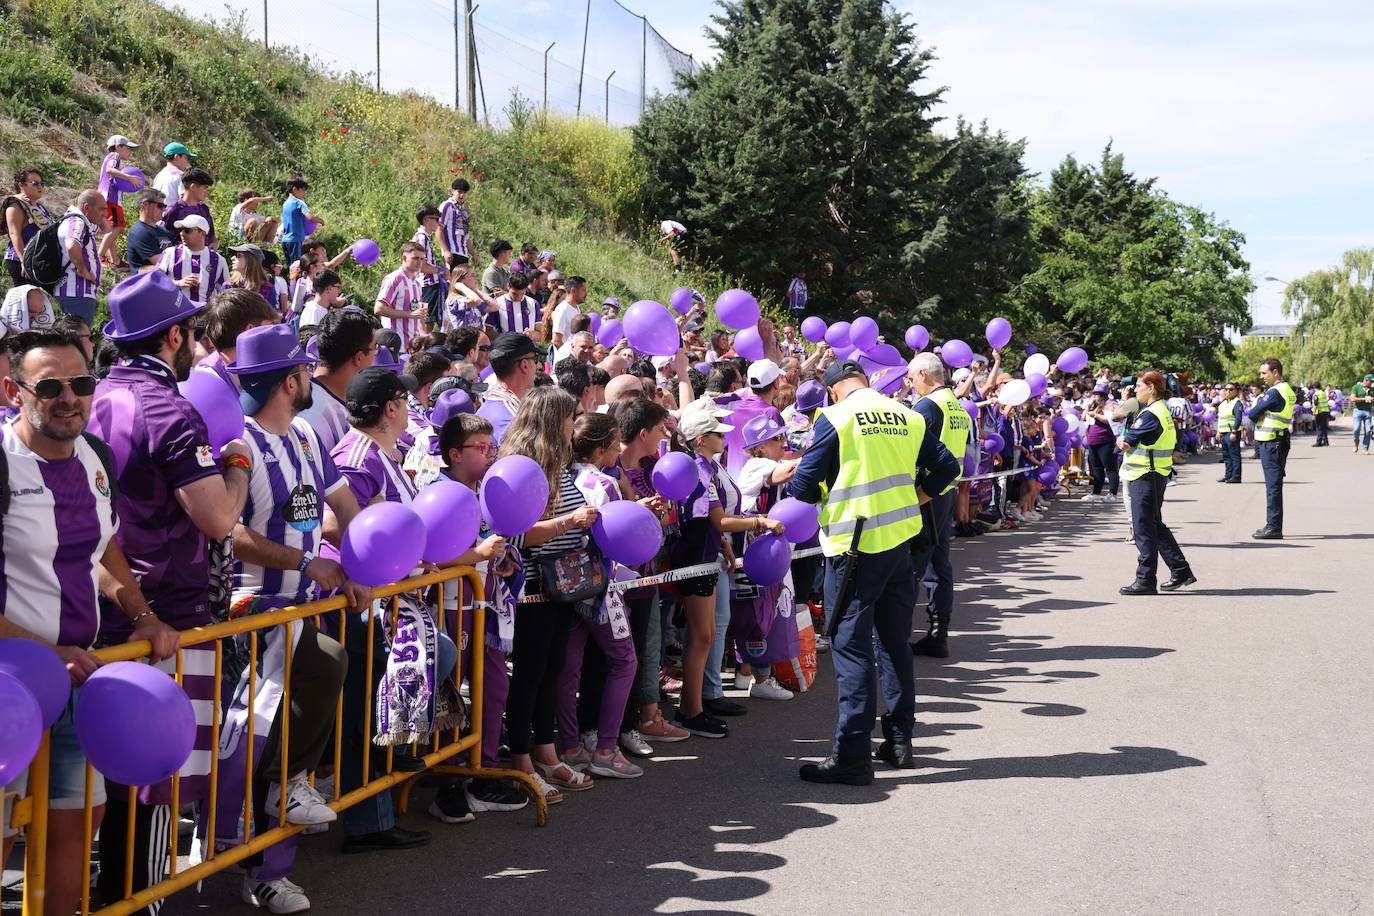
(1252, 109)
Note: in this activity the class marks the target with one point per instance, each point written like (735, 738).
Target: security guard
(1149, 448)
(945, 417)
(866, 452)
(1321, 412)
(1273, 416)
(1228, 433)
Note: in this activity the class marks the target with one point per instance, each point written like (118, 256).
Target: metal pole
(469, 9)
(546, 77)
(264, 25)
(582, 68)
(457, 69)
(377, 8)
(608, 97)
(643, 61)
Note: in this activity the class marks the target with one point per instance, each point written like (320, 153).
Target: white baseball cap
(120, 140)
(762, 373)
(961, 374)
(694, 424)
(193, 221)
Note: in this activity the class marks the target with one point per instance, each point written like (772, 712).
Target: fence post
(582, 68)
(546, 77)
(471, 56)
(608, 97)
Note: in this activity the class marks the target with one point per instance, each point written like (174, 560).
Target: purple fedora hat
(145, 304)
(759, 429)
(268, 347)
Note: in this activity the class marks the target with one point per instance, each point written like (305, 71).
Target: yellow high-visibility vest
(1142, 459)
(1226, 416)
(1275, 423)
(956, 429)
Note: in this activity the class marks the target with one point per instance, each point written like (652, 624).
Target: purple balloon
(651, 329)
(382, 544)
(366, 252)
(451, 517)
(1031, 349)
(970, 466)
(703, 368)
(675, 475)
(610, 333)
(813, 329)
(135, 723)
(767, 559)
(998, 333)
(681, 300)
(42, 671)
(956, 353)
(310, 226)
(126, 186)
(886, 355)
(627, 532)
(800, 520)
(837, 335)
(513, 495)
(21, 722)
(917, 337)
(749, 344)
(1074, 359)
(1060, 426)
(1048, 473)
(218, 405)
(1061, 455)
(595, 321)
(993, 442)
(1038, 383)
(846, 351)
(737, 309)
(970, 407)
(863, 333)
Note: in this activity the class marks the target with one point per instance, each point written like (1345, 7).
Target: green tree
(1333, 341)
(1242, 364)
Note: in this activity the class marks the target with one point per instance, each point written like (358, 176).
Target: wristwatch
(307, 558)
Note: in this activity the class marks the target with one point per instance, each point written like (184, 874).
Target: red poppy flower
(343, 130)
(325, 132)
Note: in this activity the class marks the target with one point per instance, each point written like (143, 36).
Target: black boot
(857, 772)
(897, 754)
(935, 643)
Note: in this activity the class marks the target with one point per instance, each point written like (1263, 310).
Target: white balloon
(1014, 393)
(1036, 363)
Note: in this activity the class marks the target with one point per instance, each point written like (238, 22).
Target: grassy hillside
(73, 72)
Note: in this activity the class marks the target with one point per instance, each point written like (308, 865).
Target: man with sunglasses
(1230, 413)
(514, 364)
(58, 548)
(197, 269)
(175, 496)
(147, 239)
(346, 347)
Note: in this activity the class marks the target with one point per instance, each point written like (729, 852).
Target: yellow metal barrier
(31, 811)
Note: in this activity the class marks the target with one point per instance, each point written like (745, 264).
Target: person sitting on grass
(245, 221)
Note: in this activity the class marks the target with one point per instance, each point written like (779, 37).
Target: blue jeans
(882, 594)
(1230, 455)
(931, 565)
(711, 688)
(1363, 424)
(1273, 459)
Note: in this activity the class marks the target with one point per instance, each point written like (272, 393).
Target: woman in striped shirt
(542, 430)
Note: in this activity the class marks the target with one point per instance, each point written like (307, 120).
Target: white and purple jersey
(422, 238)
(796, 294)
(292, 477)
(402, 292)
(326, 415)
(75, 227)
(38, 216)
(514, 316)
(180, 262)
(106, 184)
(60, 520)
(453, 223)
(372, 474)
(460, 313)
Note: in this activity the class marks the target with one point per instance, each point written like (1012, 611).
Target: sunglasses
(485, 349)
(36, 183)
(153, 203)
(45, 389)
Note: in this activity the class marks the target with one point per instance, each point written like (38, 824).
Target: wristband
(237, 461)
(307, 557)
(139, 617)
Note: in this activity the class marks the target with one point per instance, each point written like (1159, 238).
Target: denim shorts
(82, 307)
(66, 771)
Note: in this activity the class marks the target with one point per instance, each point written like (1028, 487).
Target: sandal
(551, 795)
(564, 777)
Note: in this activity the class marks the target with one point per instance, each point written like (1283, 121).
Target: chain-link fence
(597, 58)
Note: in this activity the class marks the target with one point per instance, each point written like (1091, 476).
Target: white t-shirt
(283, 291)
(313, 313)
(168, 181)
(672, 227)
(563, 318)
(753, 478)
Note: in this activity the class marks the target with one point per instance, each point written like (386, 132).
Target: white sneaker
(822, 643)
(303, 804)
(742, 680)
(769, 690)
(632, 742)
(279, 896)
(589, 740)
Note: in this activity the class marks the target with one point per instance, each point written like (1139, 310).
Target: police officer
(1321, 413)
(1273, 416)
(1229, 415)
(866, 452)
(946, 418)
(1149, 448)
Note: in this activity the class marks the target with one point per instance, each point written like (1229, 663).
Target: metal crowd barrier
(30, 812)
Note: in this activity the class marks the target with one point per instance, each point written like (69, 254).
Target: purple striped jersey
(106, 185)
(181, 262)
(292, 476)
(796, 294)
(38, 215)
(401, 292)
(422, 238)
(372, 474)
(453, 223)
(75, 227)
(514, 316)
(326, 415)
(60, 520)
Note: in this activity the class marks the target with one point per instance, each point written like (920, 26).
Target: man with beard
(172, 495)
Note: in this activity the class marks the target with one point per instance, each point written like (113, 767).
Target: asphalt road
(1204, 752)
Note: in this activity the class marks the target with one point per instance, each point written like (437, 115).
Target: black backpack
(44, 260)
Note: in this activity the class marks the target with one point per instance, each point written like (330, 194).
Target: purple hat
(449, 405)
(267, 347)
(312, 347)
(385, 359)
(145, 304)
(810, 395)
(888, 380)
(760, 428)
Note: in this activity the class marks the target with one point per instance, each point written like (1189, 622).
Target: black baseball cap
(513, 346)
(374, 386)
(842, 370)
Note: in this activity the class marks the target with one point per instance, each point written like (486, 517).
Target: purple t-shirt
(370, 472)
(180, 209)
(1099, 433)
(160, 444)
(106, 184)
